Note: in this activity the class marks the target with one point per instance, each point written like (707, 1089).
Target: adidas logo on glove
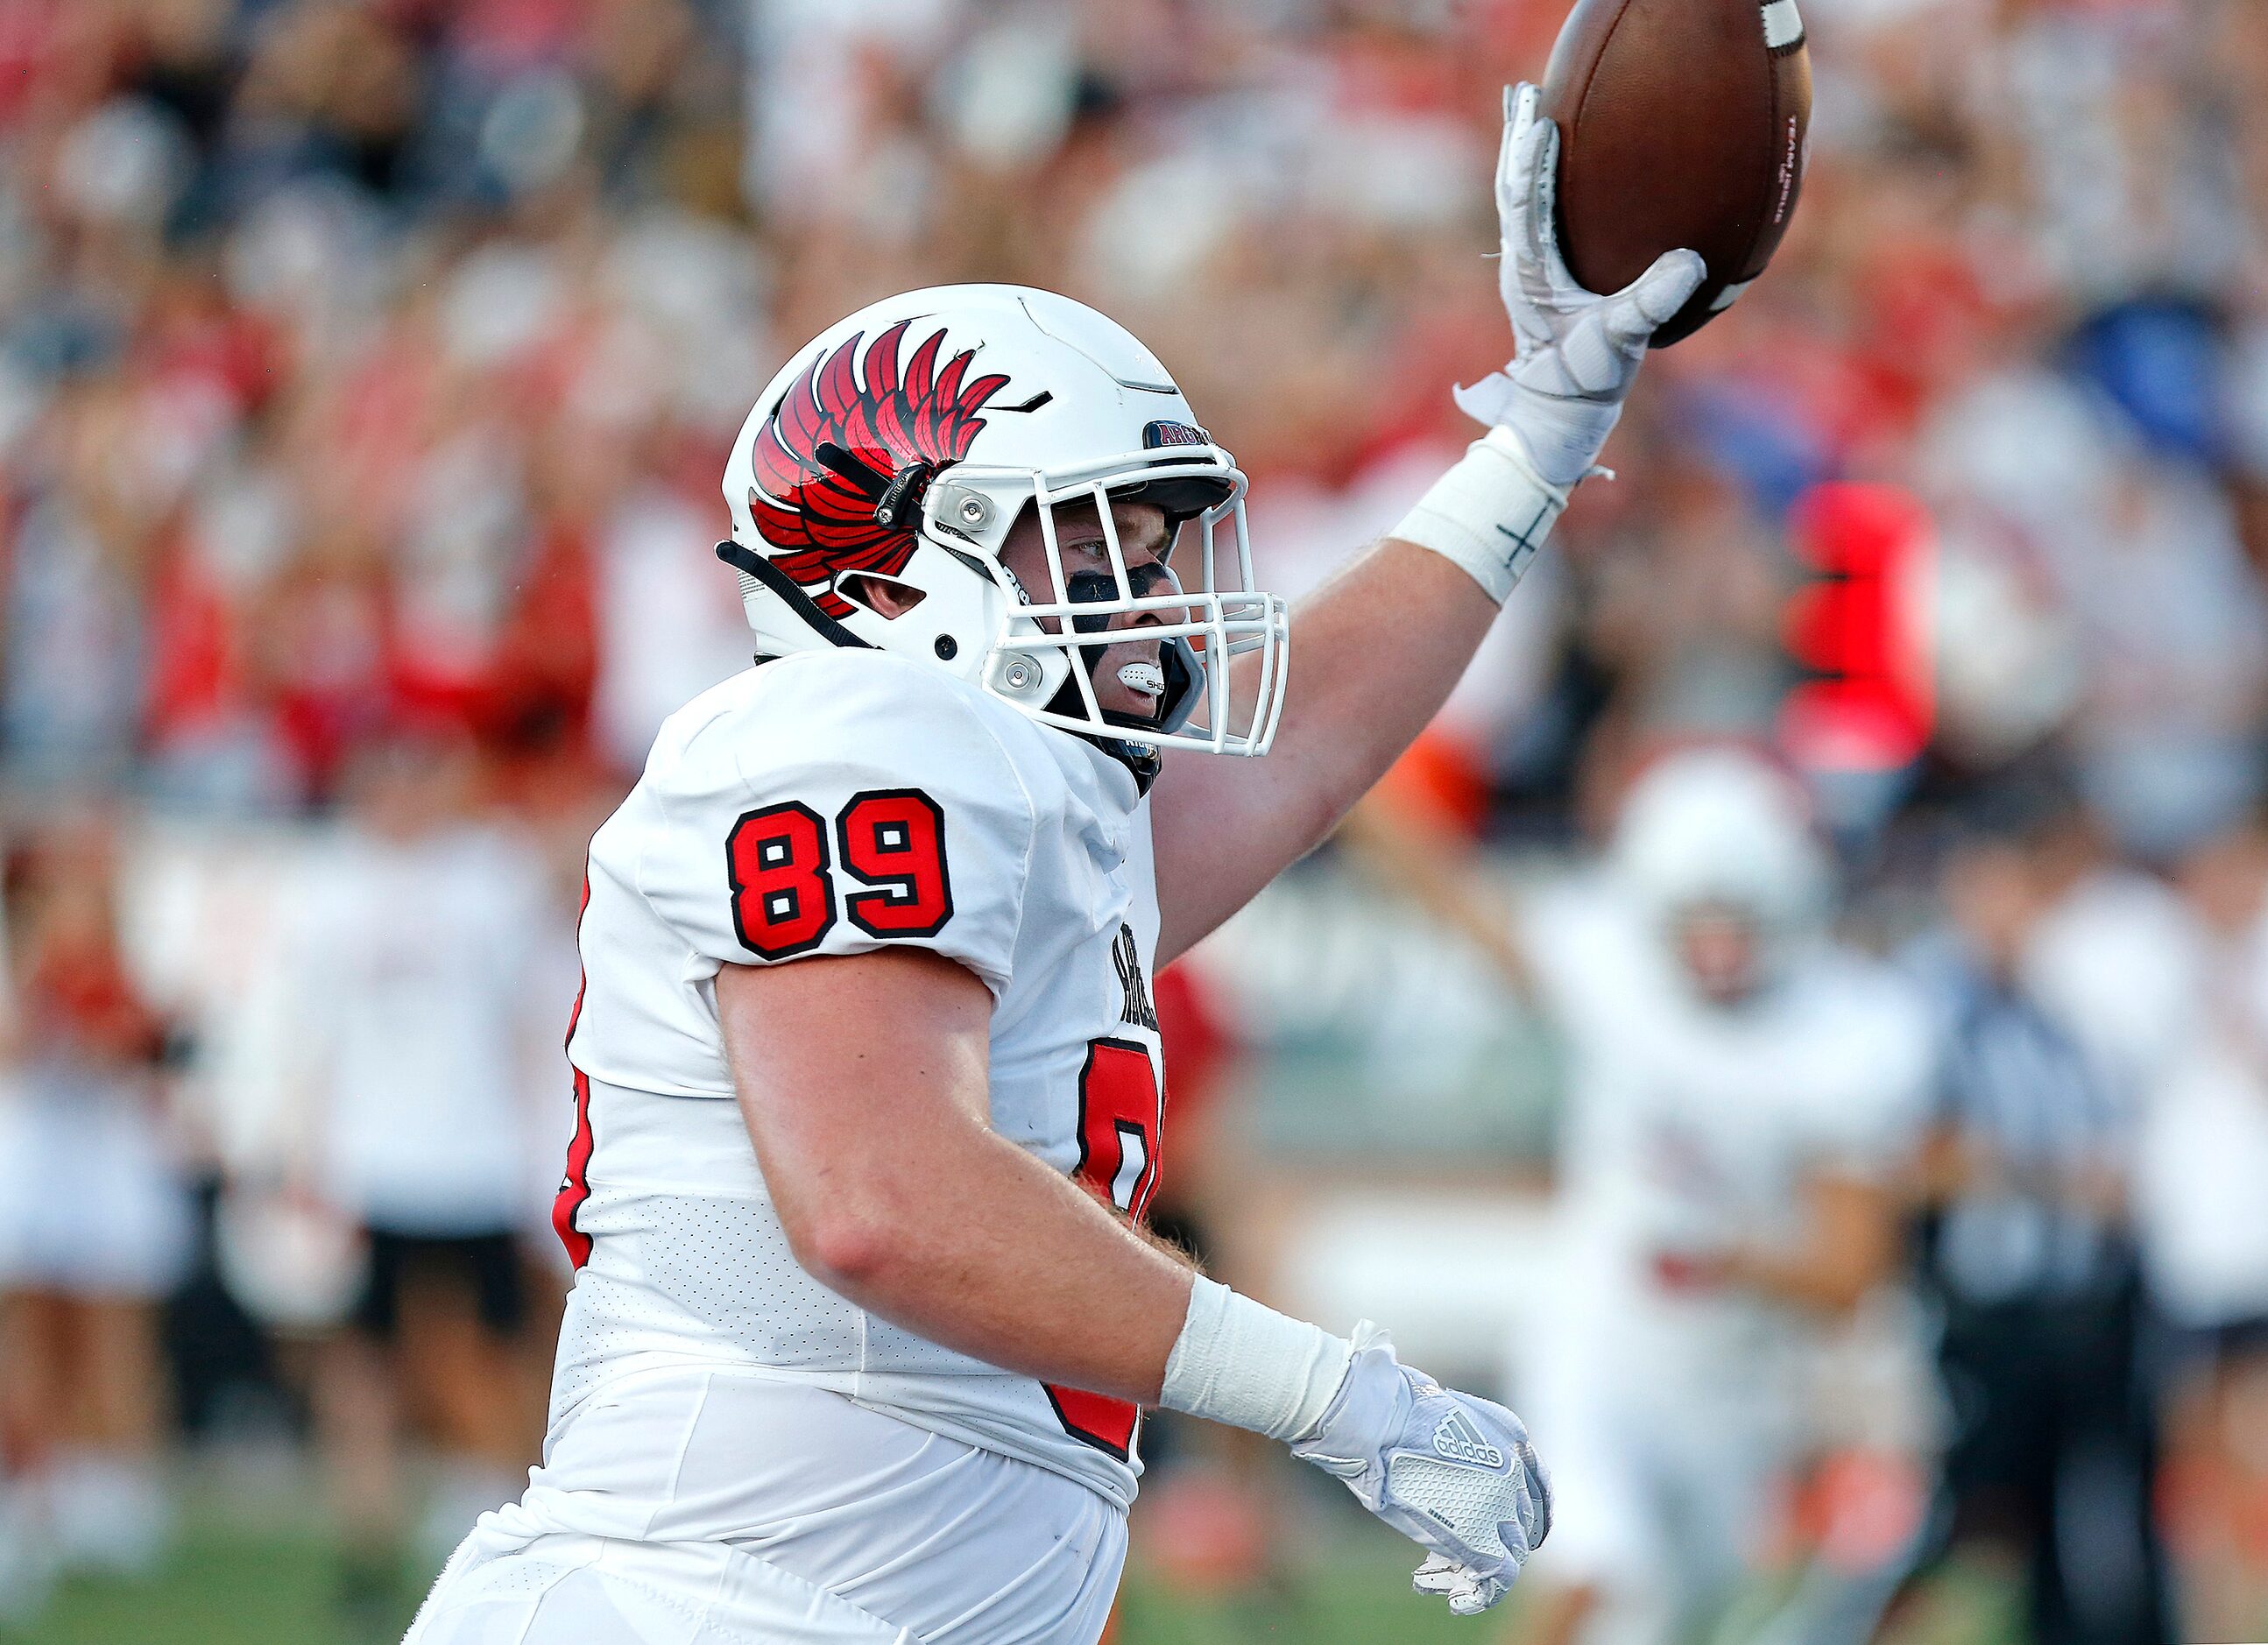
(1460, 1440)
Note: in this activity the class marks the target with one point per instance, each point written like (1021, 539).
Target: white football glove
(1578, 353)
(1454, 1474)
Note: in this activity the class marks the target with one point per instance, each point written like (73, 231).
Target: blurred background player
(94, 1226)
(2202, 1156)
(2061, 991)
(407, 962)
(1744, 1088)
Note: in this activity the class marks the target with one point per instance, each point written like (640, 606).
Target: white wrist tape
(1241, 1363)
(1489, 513)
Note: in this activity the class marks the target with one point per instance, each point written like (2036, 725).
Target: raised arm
(1376, 650)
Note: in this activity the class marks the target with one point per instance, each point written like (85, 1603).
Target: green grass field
(236, 1585)
(222, 1585)
(234, 1579)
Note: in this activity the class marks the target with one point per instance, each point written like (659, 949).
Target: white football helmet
(1722, 827)
(903, 444)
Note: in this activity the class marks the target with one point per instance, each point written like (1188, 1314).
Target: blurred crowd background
(366, 369)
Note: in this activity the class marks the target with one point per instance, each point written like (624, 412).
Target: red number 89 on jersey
(778, 861)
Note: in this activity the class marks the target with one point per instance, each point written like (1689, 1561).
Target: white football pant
(698, 1507)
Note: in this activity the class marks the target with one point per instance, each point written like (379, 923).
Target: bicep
(851, 1071)
(1209, 829)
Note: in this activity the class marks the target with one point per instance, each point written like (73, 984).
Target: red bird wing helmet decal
(820, 522)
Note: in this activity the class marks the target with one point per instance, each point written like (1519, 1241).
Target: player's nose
(1144, 580)
(1151, 578)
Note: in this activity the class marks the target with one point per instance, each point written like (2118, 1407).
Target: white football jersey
(1692, 1127)
(836, 802)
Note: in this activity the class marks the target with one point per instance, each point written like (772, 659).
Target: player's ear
(885, 596)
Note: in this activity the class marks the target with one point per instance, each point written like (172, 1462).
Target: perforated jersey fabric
(891, 804)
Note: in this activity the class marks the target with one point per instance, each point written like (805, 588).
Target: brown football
(1681, 122)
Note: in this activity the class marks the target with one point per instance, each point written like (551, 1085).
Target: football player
(885, 906)
(1744, 1091)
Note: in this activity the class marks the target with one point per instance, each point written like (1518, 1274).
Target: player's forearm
(1391, 636)
(1848, 1248)
(987, 1250)
(1826, 1281)
(1377, 651)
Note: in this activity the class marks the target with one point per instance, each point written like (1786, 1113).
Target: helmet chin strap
(783, 588)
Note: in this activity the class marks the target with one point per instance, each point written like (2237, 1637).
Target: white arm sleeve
(1241, 1363)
